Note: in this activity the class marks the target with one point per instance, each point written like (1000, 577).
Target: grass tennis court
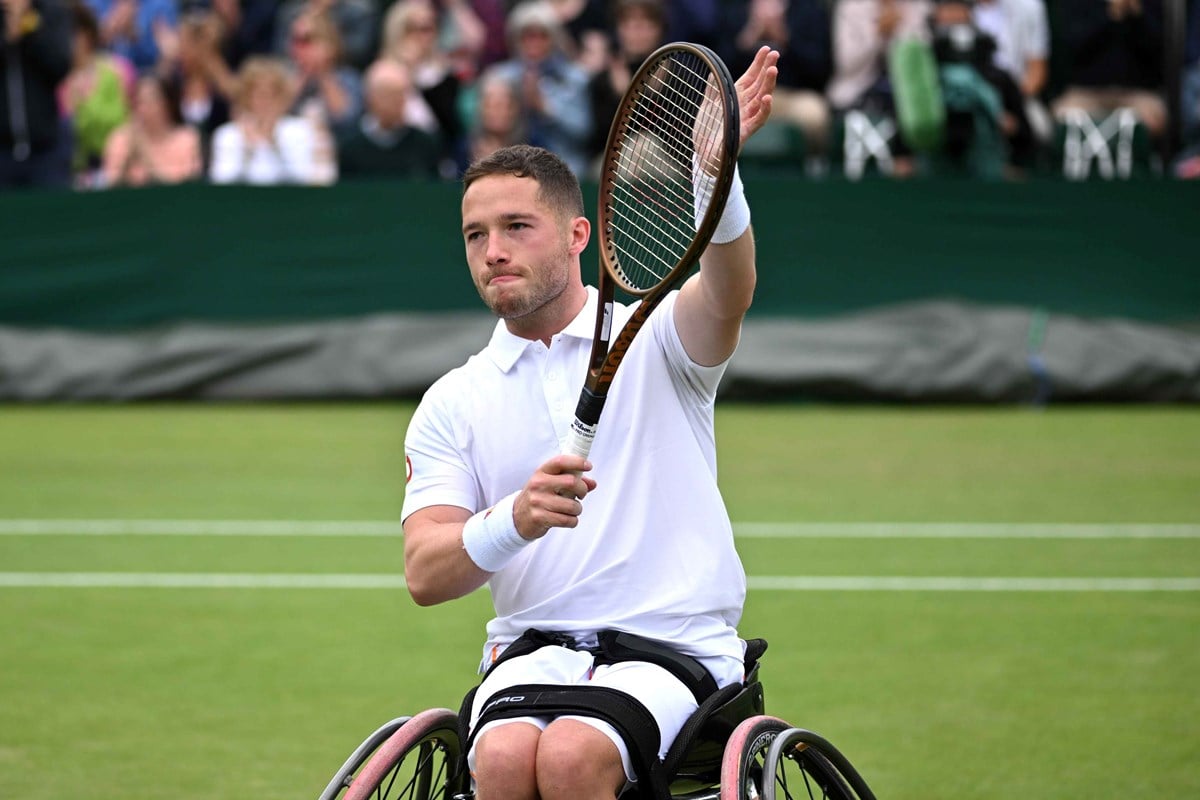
(971, 602)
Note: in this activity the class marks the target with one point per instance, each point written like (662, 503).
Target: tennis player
(634, 538)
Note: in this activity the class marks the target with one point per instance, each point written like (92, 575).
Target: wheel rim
(799, 770)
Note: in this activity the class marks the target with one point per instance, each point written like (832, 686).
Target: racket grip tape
(579, 440)
(583, 429)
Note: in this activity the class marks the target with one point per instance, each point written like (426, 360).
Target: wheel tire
(422, 760)
(744, 756)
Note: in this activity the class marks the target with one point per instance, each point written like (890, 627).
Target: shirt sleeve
(699, 383)
(438, 472)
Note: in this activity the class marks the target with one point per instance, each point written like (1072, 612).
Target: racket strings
(659, 189)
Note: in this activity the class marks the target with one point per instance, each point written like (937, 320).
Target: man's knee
(506, 760)
(576, 760)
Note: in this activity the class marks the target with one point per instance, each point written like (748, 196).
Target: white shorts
(664, 696)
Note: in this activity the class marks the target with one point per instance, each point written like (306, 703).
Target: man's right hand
(552, 497)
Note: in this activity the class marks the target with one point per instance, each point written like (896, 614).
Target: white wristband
(735, 219)
(491, 538)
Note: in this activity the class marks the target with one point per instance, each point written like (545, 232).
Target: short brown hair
(558, 187)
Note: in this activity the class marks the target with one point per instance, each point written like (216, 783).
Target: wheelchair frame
(728, 750)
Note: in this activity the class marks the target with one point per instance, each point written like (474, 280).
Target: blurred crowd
(104, 93)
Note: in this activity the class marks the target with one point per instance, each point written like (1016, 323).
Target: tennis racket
(667, 171)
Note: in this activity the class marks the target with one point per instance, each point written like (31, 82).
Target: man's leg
(575, 761)
(503, 759)
(505, 762)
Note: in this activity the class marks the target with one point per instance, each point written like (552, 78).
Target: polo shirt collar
(505, 348)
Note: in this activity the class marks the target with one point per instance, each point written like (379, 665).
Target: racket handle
(579, 439)
(583, 429)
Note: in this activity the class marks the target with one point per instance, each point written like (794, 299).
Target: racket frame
(606, 353)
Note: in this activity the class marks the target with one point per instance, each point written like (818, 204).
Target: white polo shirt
(653, 553)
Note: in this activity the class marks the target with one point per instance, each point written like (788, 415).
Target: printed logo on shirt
(407, 469)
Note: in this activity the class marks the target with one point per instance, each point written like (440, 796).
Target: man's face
(535, 43)
(518, 249)
(386, 98)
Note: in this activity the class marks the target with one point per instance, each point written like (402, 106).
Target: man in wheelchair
(616, 617)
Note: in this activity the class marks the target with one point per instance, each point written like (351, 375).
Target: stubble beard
(546, 282)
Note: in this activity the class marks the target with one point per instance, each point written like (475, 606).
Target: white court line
(963, 530)
(797, 583)
(195, 580)
(197, 527)
(873, 583)
(748, 530)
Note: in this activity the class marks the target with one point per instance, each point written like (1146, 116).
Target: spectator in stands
(156, 145)
(264, 145)
(133, 28)
(1190, 105)
(35, 55)
(326, 89)
(553, 89)
(384, 144)
(986, 129)
(800, 31)
(94, 96)
(1114, 59)
(586, 32)
(462, 36)
(498, 121)
(1021, 31)
(410, 37)
(493, 15)
(640, 28)
(863, 30)
(356, 22)
(249, 26)
(1188, 163)
(201, 79)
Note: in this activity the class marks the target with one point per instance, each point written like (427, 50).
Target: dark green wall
(145, 257)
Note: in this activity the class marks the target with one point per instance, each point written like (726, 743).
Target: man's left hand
(754, 90)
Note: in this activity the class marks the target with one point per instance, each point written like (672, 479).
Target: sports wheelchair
(728, 750)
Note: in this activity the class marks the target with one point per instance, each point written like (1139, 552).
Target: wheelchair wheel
(806, 765)
(754, 768)
(421, 759)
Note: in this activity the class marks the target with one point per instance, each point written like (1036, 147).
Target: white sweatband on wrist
(735, 217)
(491, 538)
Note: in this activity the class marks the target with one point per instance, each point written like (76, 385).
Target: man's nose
(497, 253)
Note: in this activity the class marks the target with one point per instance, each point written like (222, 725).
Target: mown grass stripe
(748, 530)
(790, 583)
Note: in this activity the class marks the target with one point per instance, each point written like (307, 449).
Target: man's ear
(581, 234)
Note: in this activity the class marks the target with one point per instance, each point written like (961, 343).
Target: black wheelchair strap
(614, 647)
(618, 646)
(624, 712)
